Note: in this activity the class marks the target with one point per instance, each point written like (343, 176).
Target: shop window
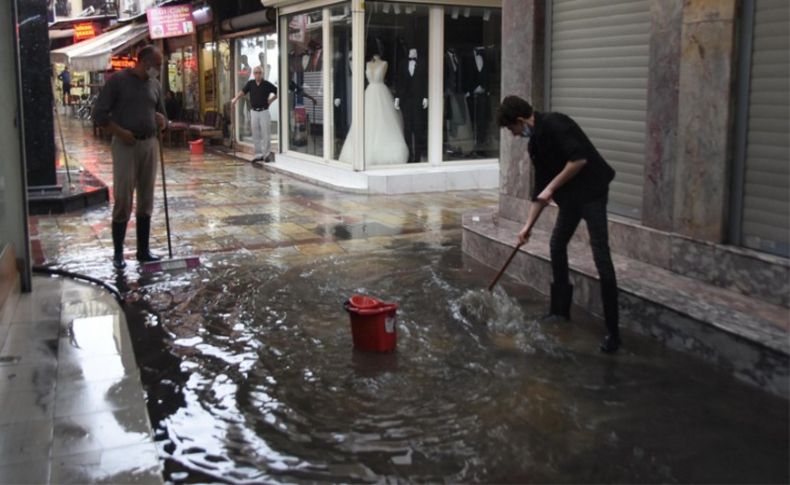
(224, 84)
(472, 46)
(182, 80)
(251, 52)
(305, 87)
(396, 92)
(341, 77)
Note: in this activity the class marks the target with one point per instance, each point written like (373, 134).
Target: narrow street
(220, 206)
(249, 373)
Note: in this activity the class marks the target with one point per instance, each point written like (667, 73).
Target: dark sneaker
(269, 158)
(610, 344)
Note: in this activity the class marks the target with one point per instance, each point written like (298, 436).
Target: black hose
(77, 276)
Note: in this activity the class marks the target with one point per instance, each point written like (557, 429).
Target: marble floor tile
(28, 472)
(128, 464)
(19, 406)
(100, 431)
(38, 376)
(98, 396)
(25, 441)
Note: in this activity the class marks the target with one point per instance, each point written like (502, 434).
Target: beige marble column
(522, 75)
(662, 113)
(705, 117)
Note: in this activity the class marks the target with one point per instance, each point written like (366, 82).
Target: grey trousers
(261, 132)
(133, 169)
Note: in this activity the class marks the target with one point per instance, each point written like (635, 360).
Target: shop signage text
(118, 63)
(84, 31)
(172, 21)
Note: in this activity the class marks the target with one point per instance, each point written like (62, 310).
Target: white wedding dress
(384, 143)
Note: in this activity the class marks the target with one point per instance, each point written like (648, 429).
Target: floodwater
(251, 377)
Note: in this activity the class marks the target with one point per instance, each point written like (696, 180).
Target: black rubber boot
(118, 235)
(143, 232)
(560, 306)
(611, 314)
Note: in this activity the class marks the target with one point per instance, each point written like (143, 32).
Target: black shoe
(118, 262)
(269, 158)
(551, 318)
(118, 235)
(561, 300)
(610, 344)
(143, 232)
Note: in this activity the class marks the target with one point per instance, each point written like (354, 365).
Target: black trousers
(594, 214)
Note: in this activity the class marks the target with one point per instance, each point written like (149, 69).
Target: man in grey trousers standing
(262, 95)
(131, 107)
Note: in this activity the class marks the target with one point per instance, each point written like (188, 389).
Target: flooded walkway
(250, 376)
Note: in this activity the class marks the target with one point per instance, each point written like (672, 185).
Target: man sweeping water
(132, 107)
(570, 171)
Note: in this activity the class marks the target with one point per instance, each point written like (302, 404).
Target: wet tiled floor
(218, 204)
(71, 402)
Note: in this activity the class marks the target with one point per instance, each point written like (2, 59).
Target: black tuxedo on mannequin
(476, 78)
(411, 89)
(342, 81)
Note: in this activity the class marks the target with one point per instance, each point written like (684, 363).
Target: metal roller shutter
(599, 68)
(766, 197)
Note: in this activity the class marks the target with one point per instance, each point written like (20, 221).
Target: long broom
(187, 262)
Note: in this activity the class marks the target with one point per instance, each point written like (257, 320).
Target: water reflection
(251, 376)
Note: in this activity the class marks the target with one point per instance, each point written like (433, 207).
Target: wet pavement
(250, 376)
(72, 408)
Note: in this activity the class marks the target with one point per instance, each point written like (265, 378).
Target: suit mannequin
(459, 139)
(412, 100)
(342, 98)
(478, 94)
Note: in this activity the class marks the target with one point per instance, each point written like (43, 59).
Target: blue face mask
(526, 132)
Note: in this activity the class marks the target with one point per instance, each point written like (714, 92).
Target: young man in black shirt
(262, 95)
(570, 171)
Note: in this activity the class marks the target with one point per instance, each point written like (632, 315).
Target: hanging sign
(172, 21)
(119, 63)
(84, 31)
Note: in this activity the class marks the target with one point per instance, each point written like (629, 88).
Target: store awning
(60, 33)
(95, 54)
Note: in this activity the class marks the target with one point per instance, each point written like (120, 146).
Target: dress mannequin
(412, 100)
(384, 143)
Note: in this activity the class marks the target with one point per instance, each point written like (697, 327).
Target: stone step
(746, 336)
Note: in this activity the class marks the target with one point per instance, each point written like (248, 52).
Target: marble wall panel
(662, 113)
(705, 117)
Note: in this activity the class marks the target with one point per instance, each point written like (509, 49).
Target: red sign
(83, 31)
(172, 21)
(119, 63)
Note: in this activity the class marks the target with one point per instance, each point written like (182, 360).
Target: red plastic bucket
(373, 323)
(196, 147)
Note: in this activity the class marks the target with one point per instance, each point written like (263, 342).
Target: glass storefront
(340, 24)
(422, 62)
(260, 50)
(208, 95)
(182, 79)
(305, 86)
(471, 82)
(224, 84)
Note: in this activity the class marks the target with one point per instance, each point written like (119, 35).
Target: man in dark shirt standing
(262, 95)
(65, 78)
(569, 170)
(132, 107)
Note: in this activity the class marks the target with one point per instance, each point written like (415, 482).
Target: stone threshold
(405, 180)
(745, 336)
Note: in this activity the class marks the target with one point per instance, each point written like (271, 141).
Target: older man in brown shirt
(132, 107)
